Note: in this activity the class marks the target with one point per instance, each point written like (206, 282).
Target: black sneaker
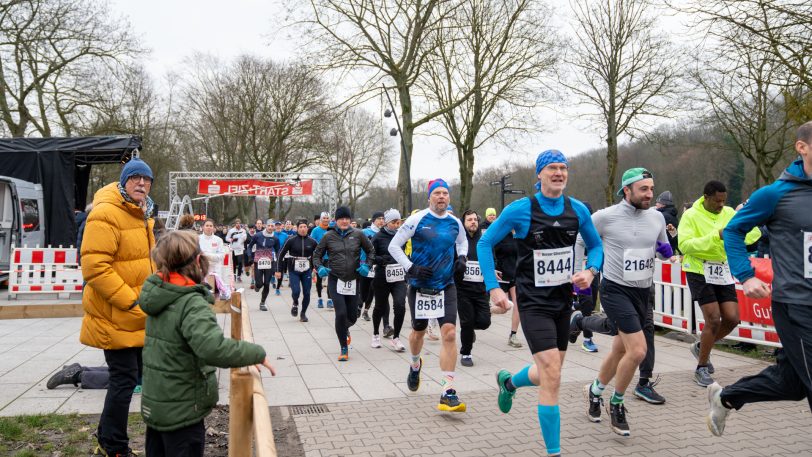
(366, 316)
(449, 401)
(262, 306)
(388, 331)
(294, 311)
(575, 326)
(303, 318)
(618, 415)
(594, 404)
(69, 374)
(413, 380)
(466, 361)
(647, 393)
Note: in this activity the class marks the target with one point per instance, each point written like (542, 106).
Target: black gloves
(416, 271)
(459, 265)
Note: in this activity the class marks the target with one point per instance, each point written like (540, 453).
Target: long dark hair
(179, 252)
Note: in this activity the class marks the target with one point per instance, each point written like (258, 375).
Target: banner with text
(254, 187)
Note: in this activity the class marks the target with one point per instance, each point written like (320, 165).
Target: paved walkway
(371, 412)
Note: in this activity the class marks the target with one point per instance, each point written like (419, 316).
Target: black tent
(62, 166)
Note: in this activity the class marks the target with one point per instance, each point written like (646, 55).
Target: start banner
(254, 187)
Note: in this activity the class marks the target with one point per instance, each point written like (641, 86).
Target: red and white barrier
(675, 309)
(44, 271)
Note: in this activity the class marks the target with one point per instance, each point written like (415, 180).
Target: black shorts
(450, 302)
(625, 306)
(546, 326)
(705, 293)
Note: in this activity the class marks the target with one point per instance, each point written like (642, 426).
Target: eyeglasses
(138, 178)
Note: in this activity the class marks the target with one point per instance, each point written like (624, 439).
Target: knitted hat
(666, 199)
(342, 212)
(134, 167)
(435, 183)
(377, 214)
(391, 215)
(490, 212)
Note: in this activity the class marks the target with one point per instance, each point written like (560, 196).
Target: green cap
(633, 175)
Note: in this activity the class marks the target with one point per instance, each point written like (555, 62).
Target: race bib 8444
(552, 267)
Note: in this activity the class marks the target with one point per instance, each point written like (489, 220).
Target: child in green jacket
(183, 346)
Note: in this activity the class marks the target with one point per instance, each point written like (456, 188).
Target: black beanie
(377, 214)
(343, 212)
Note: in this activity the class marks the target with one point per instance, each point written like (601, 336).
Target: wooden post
(236, 315)
(240, 414)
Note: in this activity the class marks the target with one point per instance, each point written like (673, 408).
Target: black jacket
(476, 287)
(344, 252)
(381, 242)
(670, 215)
(298, 246)
(506, 252)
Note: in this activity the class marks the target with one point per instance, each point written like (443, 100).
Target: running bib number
(395, 273)
(718, 273)
(238, 252)
(808, 255)
(301, 264)
(371, 274)
(472, 272)
(264, 263)
(638, 264)
(552, 267)
(346, 287)
(429, 306)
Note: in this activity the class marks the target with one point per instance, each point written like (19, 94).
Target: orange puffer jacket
(115, 263)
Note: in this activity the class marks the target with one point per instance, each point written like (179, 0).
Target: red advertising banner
(254, 187)
(758, 310)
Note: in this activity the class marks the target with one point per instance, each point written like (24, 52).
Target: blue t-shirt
(436, 241)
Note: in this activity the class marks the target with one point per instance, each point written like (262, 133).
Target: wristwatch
(594, 271)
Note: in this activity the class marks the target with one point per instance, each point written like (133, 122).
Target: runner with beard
(472, 300)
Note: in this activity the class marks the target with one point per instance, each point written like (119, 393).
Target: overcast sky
(174, 30)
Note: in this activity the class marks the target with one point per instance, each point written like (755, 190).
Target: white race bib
(264, 263)
(395, 273)
(301, 264)
(429, 306)
(346, 287)
(371, 274)
(718, 273)
(808, 255)
(472, 272)
(638, 264)
(552, 267)
(237, 251)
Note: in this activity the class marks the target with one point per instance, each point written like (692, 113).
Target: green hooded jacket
(183, 345)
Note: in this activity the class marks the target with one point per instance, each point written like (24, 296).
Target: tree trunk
(611, 162)
(465, 155)
(404, 174)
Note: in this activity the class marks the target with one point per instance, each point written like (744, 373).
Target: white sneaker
(431, 332)
(397, 346)
(376, 341)
(718, 413)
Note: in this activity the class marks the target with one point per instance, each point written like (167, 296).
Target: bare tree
(356, 153)
(748, 103)
(46, 49)
(622, 68)
(384, 41)
(495, 56)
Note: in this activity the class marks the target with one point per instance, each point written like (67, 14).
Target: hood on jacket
(795, 173)
(672, 210)
(157, 294)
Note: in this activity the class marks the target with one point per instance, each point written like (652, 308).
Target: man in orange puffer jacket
(115, 263)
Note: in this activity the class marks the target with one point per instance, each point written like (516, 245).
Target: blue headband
(435, 183)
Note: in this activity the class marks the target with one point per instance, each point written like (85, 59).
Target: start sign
(254, 187)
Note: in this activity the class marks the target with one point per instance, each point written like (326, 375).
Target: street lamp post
(505, 188)
(390, 112)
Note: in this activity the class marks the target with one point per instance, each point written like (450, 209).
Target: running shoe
(69, 374)
(397, 346)
(431, 333)
(695, 352)
(303, 318)
(505, 398)
(320, 303)
(376, 341)
(513, 341)
(413, 380)
(329, 303)
(718, 413)
(647, 393)
(618, 415)
(594, 403)
(702, 377)
(450, 402)
(262, 306)
(278, 292)
(575, 326)
(294, 311)
(466, 361)
(366, 316)
(345, 354)
(589, 346)
(388, 331)
(349, 338)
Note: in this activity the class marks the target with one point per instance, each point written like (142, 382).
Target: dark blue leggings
(300, 284)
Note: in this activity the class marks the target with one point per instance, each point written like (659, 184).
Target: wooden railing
(249, 421)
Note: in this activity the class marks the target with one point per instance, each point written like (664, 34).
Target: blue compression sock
(522, 378)
(550, 422)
